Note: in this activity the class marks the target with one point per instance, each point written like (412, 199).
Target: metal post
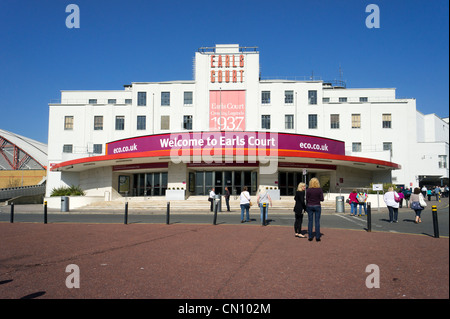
(45, 212)
(369, 217)
(435, 221)
(12, 213)
(264, 215)
(216, 206)
(168, 214)
(126, 214)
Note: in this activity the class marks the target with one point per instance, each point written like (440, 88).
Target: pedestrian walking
(401, 196)
(415, 199)
(227, 198)
(362, 198)
(429, 193)
(424, 191)
(299, 208)
(245, 204)
(263, 198)
(314, 195)
(353, 202)
(391, 199)
(211, 197)
(437, 192)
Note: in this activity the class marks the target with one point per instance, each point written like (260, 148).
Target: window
(442, 161)
(288, 97)
(128, 101)
(92, 101)
(265, 97)
(67, 148)
(363, 99)
(142, 99)
(342, 100)
(387, 119)
(334, 121)
(141, 122)
(98, 123)
(165, 98)
(356, 147)
(289, 121)
(98, 148)
(112, 101)
(325, 100)
(265, 122)
(312, 97)
(120, 123)
(312, 121)
(187, 122)
(356, 120)
(68, 122)
(188, 98)
(387, 146)
(165, 122)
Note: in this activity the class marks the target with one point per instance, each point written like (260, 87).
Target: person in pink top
(353, 202)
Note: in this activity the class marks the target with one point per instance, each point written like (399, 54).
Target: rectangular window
(387, 146)
(187, 122)
(120, 123)
(342, 100)
(312, 121)
(92, 101)
(387, 121)
(142, 99)
(98, 123)
(67, 148)
(356, 120)
(363, 99)
(356, 147)
(265, 122)
(312, 97)
(68, 122)
(265, 97)
(98, 148)
(165, 122)
(442, 161)
(325, 100)
(289, 121)
(128, 101)
(165, 98)
(188, 100)
(288, 97)
(334, 121)
(141, 122)
(112, 101)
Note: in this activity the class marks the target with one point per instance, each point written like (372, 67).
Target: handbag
(397, 198)
(416, 206)
(249, 202)
(422, 201)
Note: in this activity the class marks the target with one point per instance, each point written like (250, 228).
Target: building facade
(229, 127)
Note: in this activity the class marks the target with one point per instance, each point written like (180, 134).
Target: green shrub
(67, 191)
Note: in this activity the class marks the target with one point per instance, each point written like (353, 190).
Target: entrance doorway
(204, 181)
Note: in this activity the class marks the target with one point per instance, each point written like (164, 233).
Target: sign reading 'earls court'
(227, 68)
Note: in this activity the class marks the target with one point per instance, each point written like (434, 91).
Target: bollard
(45, 212)
(264, 214)
(12, 213)
(435, 221)
(126, 214)
(168, 214)
(369, 217)
(216, 207)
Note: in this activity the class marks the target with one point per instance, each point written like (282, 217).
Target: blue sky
(120, 42)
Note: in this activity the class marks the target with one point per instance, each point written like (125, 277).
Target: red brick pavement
(223, 261)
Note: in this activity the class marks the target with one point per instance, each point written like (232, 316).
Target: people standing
(353, 202)
(263, 198)
(299, 208)
(362, 198)
(314, 195)
(245, 204)
(227, 198)
(211, 197)
(392, 204)
(415, 204)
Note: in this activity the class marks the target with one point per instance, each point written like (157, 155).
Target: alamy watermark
(73, 19)
(73, 280)
(373, 19)
(373, 280)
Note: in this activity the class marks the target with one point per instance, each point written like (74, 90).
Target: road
(329, 219)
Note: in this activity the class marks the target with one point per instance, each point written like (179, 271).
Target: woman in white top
(392, 204)
(245, 204)
(263, 198)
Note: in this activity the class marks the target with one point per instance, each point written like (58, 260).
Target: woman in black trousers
(299, 208)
